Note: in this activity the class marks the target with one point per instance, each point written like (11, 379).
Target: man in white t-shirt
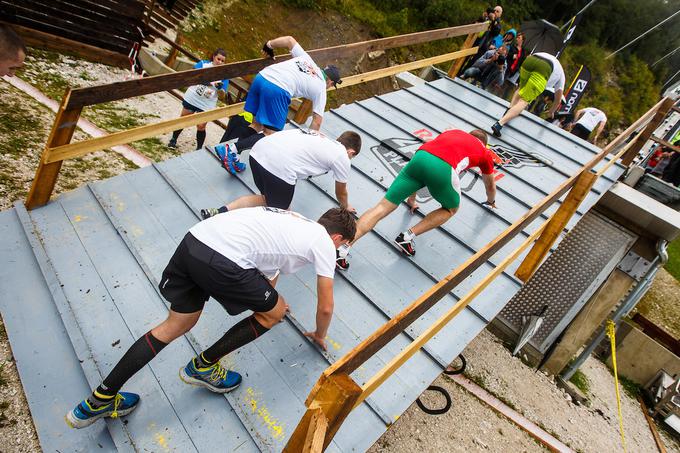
(235, 258)
(279, 160)
(274, 87)
(588, 120)
(538, 72)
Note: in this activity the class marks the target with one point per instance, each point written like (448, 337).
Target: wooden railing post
(329, 404)
(556, 225)
(647, 132)
(46, 175)
(457, 64)
(172, 57)
(303, 111)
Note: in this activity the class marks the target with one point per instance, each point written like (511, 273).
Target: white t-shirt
(591, 118)
(269, 240)
(300, 77)
(298, 154)
(557, 78)
(204, 97)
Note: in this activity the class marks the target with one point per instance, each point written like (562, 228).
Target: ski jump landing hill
(78, 281)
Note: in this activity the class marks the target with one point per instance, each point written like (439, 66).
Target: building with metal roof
(78, 281)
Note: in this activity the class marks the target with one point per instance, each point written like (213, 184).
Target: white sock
(408, 235)
(343, 251)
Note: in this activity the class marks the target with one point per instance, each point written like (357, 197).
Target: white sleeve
(323, 254)
(341, 167)
(319, 102)
(298, 51)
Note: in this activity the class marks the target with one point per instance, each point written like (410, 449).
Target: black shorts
(277, 192)
(196, 272)
(190, 107)
(580, 131)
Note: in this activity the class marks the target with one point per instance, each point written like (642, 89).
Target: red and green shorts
(426, 170)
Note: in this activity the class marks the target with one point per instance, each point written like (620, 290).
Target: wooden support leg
(556, 225)
(303, 111)
(172, 57)
(46, 175)
(647, 132)
(458, 63)
(331, 402)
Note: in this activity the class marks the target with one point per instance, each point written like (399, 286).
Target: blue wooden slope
(85, 269)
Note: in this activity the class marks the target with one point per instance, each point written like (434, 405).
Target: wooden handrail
(82, 97)
(413, 347)
(83, 147)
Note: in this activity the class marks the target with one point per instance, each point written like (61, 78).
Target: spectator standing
(515, 58)
(199, 98)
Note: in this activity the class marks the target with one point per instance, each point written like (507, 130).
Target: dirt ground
(472, 426)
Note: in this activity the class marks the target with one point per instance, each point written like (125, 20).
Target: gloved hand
(268, 50)
(218, 85)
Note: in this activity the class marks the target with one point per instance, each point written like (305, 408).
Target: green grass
(673, 264)
(581, 381)
(631, 388)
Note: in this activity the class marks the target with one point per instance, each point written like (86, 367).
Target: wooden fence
(58, 146)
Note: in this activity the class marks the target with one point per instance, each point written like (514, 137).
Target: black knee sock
(246, 143)
(200, 139)
(175, 134)
(139, 354)
(241, 334)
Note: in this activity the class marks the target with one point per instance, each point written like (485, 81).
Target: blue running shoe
(215, 378)
(84, 414)
(233, 164)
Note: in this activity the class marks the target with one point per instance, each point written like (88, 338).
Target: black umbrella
(542, 36)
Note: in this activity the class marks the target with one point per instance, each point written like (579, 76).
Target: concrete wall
(639, 357)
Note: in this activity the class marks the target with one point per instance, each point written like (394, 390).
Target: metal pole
(626, 306)
(582, 9)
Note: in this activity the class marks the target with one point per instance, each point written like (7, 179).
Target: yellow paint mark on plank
(260, 409)
(162, 442)
(337, 346)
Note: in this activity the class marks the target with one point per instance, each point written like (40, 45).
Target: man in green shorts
(538, 72)
(436, 165)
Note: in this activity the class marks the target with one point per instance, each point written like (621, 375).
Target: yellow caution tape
(611, 333)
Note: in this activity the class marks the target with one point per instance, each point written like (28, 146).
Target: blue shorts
(268, 103)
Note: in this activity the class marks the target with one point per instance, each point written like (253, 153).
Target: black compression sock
(241, 334)
(175, 134)
(200, 139)
(140, 353)
(248, 142)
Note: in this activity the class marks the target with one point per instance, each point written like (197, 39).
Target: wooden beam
(120, 90)
(652, 427)
(388, 370)
(335, 396)
(81, 148)
(455, 67)
(641, 139)
(303, 111)
(172, 56)
(46, 175)
(176, 47)
(318, 426)
(151, 130)
(556, 225)
(36, 38)
(664, 143)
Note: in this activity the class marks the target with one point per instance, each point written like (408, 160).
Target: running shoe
(496, 129)
(209, 212)
(172, 144)
(234, 165)
(405, 245)
(84, 414)
(341, 263)
(215, 378)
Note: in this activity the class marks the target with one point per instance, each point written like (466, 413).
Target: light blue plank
(32, 322)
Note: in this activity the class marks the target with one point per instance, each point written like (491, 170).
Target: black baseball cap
(333, 73)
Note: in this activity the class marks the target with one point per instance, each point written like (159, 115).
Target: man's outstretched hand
(319, 340)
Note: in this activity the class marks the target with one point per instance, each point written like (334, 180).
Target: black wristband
(268, 49)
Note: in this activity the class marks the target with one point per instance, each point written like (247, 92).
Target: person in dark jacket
(515, 58)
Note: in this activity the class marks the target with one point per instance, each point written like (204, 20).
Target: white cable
(665, 56)
(644, 34)
(672, 77)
